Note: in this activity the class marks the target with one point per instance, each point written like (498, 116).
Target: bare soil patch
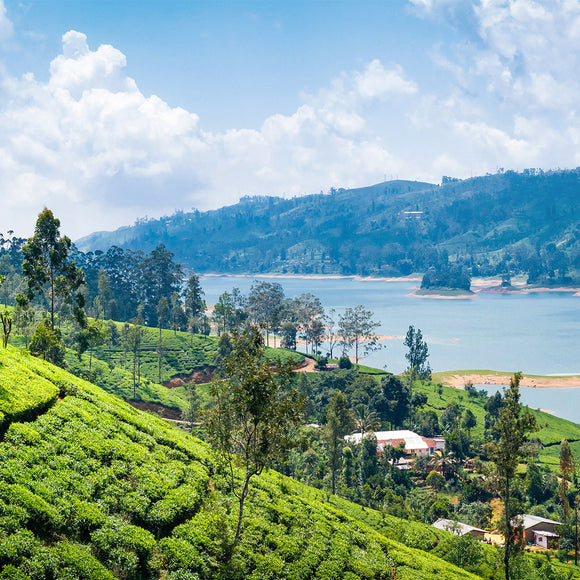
(162, 411)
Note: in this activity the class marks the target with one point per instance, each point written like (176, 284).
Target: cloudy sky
(119, 109)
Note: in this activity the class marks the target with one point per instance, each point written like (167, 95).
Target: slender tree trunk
(51, 299)
(241, 511)
(576, 532)
(506, 555)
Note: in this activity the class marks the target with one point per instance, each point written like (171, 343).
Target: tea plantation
(91, 488)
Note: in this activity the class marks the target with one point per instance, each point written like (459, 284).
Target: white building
(414, 444)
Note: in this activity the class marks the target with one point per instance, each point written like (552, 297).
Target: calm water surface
(536, 333)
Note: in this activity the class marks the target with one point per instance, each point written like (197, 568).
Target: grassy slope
(184, 353)
(554, 429)
(93, 488)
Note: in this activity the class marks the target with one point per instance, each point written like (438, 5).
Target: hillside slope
(526, 222)
(91, 488)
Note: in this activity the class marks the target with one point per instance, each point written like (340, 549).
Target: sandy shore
(443, 296)
(534, 382)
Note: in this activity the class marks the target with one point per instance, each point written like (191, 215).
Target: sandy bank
(534, 382)
(443, 296)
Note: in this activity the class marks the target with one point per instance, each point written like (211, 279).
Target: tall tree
(357, 326)
(394, 404)
(193, 302)
(24, 317)
(339, 422)
(177, 317)
(134, 337)
(512, 428)
(567, 469)
(46, 267)
(418, 352)
(104, 293)
(265, 305)
(162, 314)
(253, 413)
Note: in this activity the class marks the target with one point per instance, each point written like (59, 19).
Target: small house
(541, 531)
(459, 529)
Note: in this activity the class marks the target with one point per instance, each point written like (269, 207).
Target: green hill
(508, 222)
(91, 488)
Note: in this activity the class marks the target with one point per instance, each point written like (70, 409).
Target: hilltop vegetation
(91, 488)
(498, 224)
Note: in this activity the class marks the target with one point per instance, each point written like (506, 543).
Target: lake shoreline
(452, 379)
(486, 285)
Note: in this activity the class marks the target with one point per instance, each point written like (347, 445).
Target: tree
(365, 418)
(368, 459)
(104, 295)
(418, 352)
(469, 421)
(6, 319)
(253, 413)
(567, 469)
(92, 335)
(265, 305)
(24, 317)
(191, 412)
(159, 278)
(177, 317)
(193, 302)
(46, 342)
(46, 267)
(512, 427)
(395, 402)
(223, 312)
(435, 480)
(339, 422)
(357, 326)
(133, 337)
(162, 313)
(331, 336)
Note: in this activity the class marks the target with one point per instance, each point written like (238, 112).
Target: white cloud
(88, 138)
(91, 146)
(376, 82)
(6, 28)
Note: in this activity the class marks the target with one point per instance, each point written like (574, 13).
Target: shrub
(344, 362)
(435, 480)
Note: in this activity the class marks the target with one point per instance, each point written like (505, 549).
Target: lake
(535, 333)
(564, 403)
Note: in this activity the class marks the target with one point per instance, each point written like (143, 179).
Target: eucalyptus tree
(193, 301)
(47, 270)
(339, 422)
(512, 427)
(356, 327)
(265, 305)
(253, 413)
(418, 352)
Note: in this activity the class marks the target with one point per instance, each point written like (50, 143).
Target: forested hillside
(496, 224)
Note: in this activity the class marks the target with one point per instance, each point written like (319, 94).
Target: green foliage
(46, 267)
(46, 342)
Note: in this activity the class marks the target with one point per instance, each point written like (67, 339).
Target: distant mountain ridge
(503, 223)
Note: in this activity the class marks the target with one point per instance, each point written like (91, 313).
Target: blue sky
(110, 111)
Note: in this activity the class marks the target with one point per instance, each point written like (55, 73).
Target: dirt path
(308, 366)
